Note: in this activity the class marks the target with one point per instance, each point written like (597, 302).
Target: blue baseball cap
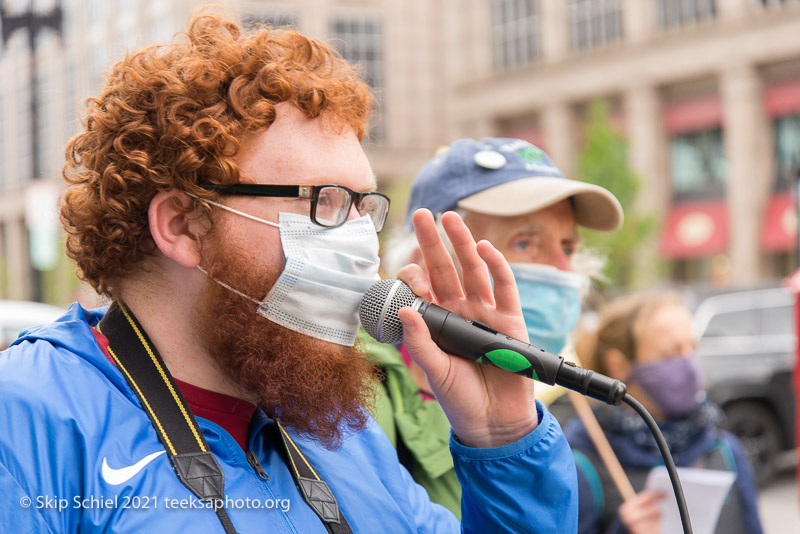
(506, 177)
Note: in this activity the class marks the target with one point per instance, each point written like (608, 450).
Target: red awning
(693, 115)
(779, 232)
(782, 98)
(695, 229)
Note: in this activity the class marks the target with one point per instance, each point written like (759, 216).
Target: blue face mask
(551, 303)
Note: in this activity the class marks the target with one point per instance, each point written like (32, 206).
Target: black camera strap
(315, 491)
(177, 429)
(194, 464)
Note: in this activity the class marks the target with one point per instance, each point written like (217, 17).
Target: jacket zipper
(252, 459)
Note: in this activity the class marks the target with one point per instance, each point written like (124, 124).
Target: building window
(99, 11)
(780, 264)
(697, 162)
(515, 32)
(359, 42)
(99, 63)
(691, 270)
(48, 131)
(787, 150)
(3, 126)
(595, 23)
(252, 21)
(160, 28)
(766, 3)
(24, 155)
(676, 13)
(70, 101)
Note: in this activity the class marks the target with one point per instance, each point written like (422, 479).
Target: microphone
(476, 341)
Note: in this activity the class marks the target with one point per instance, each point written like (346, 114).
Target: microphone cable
(476, 341)
(668, 461)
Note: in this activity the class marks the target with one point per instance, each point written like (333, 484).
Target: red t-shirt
(232, 414)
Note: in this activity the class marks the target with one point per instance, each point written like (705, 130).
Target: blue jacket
(68, 419)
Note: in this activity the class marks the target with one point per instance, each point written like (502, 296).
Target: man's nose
(560, 260)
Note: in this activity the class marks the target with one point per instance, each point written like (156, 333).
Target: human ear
(174, 230)
(617, 366)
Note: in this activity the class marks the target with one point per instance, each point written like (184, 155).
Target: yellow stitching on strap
(164, 377)
(298, 452)
(144, 400)
(291, 459)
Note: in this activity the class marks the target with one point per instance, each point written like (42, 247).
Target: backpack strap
(726, 460)
(607, 498)
(585, 466)
(148, 376)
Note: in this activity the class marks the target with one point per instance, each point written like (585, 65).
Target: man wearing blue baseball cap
(506, 178)
(510, 193)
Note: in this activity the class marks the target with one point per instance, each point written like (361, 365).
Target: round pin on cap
(489, 159)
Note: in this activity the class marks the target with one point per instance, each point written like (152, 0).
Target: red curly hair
(171, 117)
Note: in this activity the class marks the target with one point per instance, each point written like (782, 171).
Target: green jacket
(417, 428)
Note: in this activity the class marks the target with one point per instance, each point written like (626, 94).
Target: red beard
(316, 388)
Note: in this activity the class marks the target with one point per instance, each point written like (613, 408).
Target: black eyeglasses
(330, 204)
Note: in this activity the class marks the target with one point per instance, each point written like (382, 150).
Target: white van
(17, 315)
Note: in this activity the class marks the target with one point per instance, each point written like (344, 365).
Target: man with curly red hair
(220, 197)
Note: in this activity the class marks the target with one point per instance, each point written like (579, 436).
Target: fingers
(505, 290)
(647, 498)
(474, 273)
(485, 274)
(441, 270)
(642, 513)
(414, 276)
(425, 352)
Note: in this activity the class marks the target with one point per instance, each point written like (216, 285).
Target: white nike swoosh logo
(115, 477)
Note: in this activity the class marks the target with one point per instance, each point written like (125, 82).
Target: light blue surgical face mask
(327, 272)
(551, 303)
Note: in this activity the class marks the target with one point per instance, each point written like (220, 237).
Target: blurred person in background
(219, 194)
(647, 341)
(510, 193)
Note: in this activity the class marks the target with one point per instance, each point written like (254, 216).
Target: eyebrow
(531, 228)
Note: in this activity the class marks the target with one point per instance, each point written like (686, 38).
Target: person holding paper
(647, 341)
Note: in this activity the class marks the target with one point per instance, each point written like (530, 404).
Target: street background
(688, 110)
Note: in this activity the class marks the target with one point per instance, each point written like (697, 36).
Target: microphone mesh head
(378, 310)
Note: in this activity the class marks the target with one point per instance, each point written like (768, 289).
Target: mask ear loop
(226, 286)
(237, 212)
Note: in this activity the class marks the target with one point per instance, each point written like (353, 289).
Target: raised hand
(486, 406)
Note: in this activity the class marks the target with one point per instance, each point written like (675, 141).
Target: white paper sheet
(705, 491)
